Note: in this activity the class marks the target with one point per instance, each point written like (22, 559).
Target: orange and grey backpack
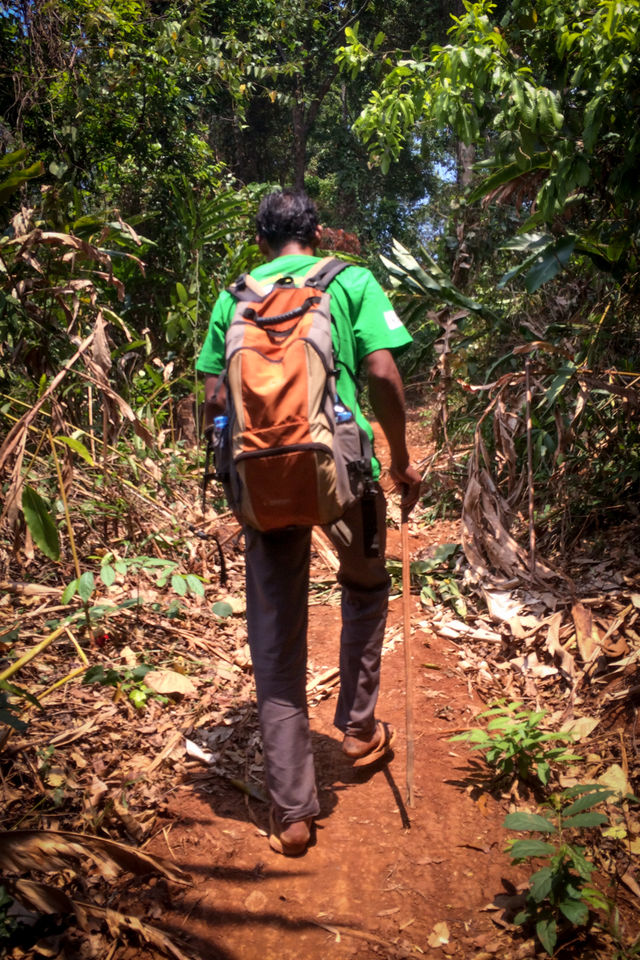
(288, 452)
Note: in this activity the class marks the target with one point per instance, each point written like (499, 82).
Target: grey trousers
(277, 572)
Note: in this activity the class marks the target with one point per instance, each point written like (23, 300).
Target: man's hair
(287, 215)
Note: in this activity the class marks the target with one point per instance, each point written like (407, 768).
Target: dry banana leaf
(51, 900)
(44, 850)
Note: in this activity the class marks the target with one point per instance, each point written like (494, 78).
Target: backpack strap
(246, 288)
(321, 274)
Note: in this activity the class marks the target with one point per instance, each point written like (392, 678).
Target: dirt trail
(382, 875)
(379, 877)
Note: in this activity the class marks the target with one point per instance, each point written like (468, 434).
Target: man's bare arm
(386, 395)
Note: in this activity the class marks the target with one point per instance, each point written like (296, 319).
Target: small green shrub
(514, 744)
(560, 893)
(436, 578)
(129, 682)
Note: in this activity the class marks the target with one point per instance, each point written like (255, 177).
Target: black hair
(287, 215)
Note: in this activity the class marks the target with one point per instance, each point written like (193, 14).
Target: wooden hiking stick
(406, 623)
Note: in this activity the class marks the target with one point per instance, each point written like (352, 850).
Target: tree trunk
(299, 146)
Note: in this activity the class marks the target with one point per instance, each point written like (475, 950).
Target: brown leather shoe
(291, 839)
(364, 752)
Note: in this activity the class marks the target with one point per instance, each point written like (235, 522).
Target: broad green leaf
(521, 849)
(506, 174)
(580, 864)
(77, 447)
(10, 159)
(544, 771)
(17, 178)
(94, 674)
(10, 719)
(551, 263)
(528, 821)
(586, 801)
(547, 933)
(591, 819)
(575, 911)
(140, 672)
(20, 692)
(541, 883)
(182, 293)
(222, 609)
(86, 585)
(107, 574)
(69, 591)
(195, 585)
(43, 529)
(179, 584)
(138, 698)
(559, 382)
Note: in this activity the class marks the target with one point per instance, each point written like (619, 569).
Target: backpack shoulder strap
(246, 288)
(321, 274)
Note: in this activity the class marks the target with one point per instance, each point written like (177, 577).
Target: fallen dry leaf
(564, 659)
(169, 682)
(615, 779)
(587, 635)
(580, 727)
(439, 936)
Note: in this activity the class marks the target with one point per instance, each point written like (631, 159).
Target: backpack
(288, 452)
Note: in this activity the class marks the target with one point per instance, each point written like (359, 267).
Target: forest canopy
(482, 160)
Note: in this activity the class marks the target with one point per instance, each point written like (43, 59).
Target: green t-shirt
(364, 321)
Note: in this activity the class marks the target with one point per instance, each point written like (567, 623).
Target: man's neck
(293, 247)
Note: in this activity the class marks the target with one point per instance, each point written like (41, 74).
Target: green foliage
(7, 923)
(436, 578)
(514, 744)
(551, 91)
(164, 571)
(15, 179)
(126, 681)
(7, 709)
(40, 523)
(560, 894)
(222, 609)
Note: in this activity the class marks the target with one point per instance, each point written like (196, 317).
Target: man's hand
(408, 481)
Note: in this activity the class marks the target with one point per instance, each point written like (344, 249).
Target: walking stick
(406, 617)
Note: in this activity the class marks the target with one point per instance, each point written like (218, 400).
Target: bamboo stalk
(62, 681)
(72, 541)
(30, 654)
(79, 649)
(92, 437)
(532, 531)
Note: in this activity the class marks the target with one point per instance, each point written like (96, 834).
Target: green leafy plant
(7, 711)
(515, 745)
(436, 578)
(128, 681)
(165, 571)
(560, 893)
(7, 923)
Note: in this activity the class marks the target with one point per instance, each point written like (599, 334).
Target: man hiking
(365, 331)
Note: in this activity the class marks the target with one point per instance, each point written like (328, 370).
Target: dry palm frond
(52, 900)
(46, 850)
